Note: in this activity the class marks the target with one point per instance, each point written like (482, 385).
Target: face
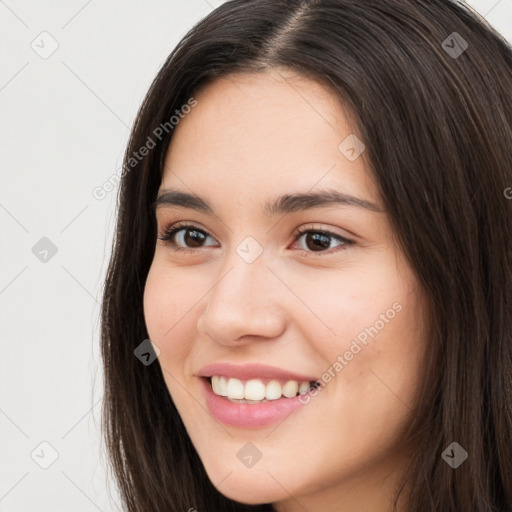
(266, 296)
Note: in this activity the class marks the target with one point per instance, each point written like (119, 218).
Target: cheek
(369, 391)
(374, 354)
(168, 311)
(158, 307)
(378, 372)
(352, 309)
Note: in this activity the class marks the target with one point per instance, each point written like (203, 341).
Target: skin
(251, 138)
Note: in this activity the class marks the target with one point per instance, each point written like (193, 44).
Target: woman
(315, 233)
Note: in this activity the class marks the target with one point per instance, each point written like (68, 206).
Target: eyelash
(170, 231)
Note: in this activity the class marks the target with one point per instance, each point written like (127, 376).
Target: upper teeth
(256, 389)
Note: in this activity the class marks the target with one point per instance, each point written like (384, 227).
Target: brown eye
(184, 237)
(317, 241)
(192, 237)
(320, 241)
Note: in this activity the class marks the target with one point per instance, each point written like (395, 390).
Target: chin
(247, 486)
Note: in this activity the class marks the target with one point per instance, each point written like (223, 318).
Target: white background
(64, 125)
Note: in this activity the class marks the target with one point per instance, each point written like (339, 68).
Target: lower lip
(248, 415)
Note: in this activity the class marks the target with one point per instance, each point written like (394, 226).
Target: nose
(243, 306)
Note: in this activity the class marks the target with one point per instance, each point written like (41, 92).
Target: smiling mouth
(258, 391)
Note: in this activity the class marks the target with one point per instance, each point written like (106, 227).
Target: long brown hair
(429, 86)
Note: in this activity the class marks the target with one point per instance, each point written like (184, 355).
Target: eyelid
(317, 227)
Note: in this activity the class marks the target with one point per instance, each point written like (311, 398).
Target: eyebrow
(287, 203)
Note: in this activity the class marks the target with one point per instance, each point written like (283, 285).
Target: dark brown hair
(434, 110)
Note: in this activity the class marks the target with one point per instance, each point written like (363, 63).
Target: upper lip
(251, 371)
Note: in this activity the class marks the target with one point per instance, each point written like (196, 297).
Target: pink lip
(251, 371)
(248, 415)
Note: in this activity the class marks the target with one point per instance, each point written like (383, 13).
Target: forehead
(264, 133)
